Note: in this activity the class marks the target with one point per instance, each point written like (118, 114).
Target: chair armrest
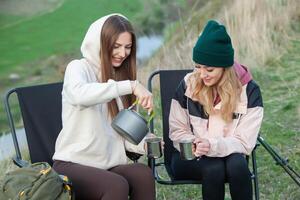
(133, 156)
(162, 180)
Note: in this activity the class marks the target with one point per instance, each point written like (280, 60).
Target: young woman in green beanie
(220, 107)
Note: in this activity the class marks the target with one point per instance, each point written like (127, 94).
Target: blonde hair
(228, 88)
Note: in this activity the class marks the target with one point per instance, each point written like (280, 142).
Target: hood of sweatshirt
(90, 47)
(243, 73)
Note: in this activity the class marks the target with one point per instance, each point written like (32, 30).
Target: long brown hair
(228, 88)
(112, 28)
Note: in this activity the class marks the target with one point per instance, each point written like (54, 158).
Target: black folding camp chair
(40, 107)
(169, 80)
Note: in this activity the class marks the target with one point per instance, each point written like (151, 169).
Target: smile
(117, 59)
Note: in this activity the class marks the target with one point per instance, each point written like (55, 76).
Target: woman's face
(209, 75)
(121, 49)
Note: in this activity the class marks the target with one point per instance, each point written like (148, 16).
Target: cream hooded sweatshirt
(87, 137)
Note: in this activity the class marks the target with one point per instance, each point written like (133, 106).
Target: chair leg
(254, 166)
(151, 164)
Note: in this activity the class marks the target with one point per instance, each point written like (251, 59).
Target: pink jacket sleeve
(178, 124)
(244, 138)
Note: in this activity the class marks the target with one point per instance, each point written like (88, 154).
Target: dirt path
(27, 7)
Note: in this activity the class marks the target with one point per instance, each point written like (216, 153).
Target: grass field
(57, 32)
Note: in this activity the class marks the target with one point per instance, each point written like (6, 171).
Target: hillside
(266, 36)
(269, 44)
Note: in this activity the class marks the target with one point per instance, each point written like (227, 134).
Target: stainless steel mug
(154, 147)
(186, 149)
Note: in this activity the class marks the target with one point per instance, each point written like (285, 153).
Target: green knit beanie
(214, 47)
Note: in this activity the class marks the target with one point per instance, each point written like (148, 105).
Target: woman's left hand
(202, 147)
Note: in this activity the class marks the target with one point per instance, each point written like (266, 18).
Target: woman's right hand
(143, 95)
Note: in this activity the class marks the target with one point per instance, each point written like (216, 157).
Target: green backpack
(37, 181)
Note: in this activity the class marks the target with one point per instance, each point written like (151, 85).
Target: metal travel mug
(186, 149)
(154, 147)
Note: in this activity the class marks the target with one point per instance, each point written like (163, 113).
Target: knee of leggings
(144, 172)
(238, 172)
(237, 167)
(214, 172)
(120, 186)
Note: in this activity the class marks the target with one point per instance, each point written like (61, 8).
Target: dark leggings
(214, 172)
(117, 183)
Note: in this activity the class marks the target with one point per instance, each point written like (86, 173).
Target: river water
(146, 46)
(7, 146)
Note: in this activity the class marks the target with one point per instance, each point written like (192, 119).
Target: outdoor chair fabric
(169, 81)
(41, 113)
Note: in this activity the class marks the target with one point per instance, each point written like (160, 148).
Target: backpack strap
(67, 185)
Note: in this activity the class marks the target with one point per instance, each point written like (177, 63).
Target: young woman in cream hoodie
(95, 89)
(221, 108)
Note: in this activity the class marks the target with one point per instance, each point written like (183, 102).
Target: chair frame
(154, 165)
(18, 160)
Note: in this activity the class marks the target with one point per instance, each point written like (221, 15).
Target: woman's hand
(143, 95)
(202, 147)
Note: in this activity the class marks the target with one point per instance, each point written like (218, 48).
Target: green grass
(279, 82)
(8, 19)
(54, 33)
(280, 86)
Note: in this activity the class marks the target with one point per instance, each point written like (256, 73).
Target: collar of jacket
(241, 108)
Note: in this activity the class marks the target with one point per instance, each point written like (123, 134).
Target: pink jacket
(187, 119)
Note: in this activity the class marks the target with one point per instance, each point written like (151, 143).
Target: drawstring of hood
(90, 47)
